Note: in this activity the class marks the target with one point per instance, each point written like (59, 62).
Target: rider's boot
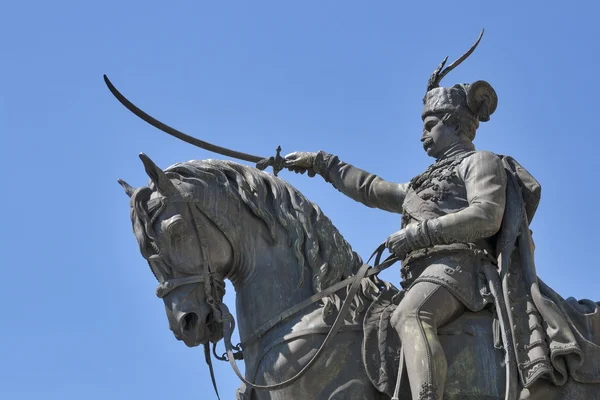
(425, 307)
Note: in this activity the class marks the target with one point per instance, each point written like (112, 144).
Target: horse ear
(128, 189)
(160, 179)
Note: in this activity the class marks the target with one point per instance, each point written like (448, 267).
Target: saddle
(381, 344)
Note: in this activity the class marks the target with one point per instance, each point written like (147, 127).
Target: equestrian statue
(472, 320)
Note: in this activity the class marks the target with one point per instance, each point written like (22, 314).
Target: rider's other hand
(301, 162)
(398, 244)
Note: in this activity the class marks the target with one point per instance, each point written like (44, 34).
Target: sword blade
(176, 133)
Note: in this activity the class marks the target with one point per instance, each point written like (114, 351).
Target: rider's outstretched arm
(360, 185)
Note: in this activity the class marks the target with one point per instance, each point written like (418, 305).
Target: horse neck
(274, 282)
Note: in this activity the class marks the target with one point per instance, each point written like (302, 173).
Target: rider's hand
(397, 243)
(413, 237)
(300, 162)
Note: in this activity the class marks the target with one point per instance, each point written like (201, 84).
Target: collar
(456, 150)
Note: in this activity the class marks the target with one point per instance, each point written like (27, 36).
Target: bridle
(210, 279)
(222, 314)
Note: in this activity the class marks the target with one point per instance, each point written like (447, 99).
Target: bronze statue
(451, 213)
(473, 320)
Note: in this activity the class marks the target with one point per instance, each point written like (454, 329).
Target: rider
(451, 213)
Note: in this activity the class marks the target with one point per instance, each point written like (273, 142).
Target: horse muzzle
(194, 329)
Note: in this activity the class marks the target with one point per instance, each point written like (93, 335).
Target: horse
(199, 223)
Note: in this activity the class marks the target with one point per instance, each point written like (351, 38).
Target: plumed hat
(474, 102)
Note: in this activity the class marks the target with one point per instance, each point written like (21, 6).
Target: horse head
(201, 222)
(188, 253)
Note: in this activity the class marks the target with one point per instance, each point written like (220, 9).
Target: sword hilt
(276, 162)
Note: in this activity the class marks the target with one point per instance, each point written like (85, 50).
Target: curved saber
(261, 162)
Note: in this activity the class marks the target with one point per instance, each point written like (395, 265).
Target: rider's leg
(425, 307)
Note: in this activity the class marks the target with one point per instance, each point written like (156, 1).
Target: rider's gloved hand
(398, 244)
(301, 162)
(413, 237)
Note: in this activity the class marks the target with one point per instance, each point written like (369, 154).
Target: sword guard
(264, 163)
(276, 162)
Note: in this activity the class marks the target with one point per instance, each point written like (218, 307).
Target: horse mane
(316, 242)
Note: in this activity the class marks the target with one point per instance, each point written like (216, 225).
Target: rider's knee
(404, 316)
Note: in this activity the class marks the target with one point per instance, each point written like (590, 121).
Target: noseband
(168, 286)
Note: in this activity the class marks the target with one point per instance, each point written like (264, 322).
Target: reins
(229, 324)
(222, 313)
(264, 328)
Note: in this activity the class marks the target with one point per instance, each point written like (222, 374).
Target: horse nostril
(188, 322)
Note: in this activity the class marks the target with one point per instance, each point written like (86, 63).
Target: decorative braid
(428, 392)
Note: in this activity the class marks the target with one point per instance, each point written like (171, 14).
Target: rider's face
(437, 137)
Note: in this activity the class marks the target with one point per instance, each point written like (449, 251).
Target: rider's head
(451, 115)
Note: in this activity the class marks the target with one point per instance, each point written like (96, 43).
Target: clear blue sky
(80, 319)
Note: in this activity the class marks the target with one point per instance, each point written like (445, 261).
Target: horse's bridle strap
(321, 330)
(264, 328)
(363, 272)
(166, 287)
(229, 326)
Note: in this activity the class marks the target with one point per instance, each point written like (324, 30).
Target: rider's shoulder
(480, 161)
(483, 156)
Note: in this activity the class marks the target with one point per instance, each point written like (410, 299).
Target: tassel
(484, 111)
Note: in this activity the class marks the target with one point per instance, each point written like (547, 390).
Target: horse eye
(177, 237)
(174, 227)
